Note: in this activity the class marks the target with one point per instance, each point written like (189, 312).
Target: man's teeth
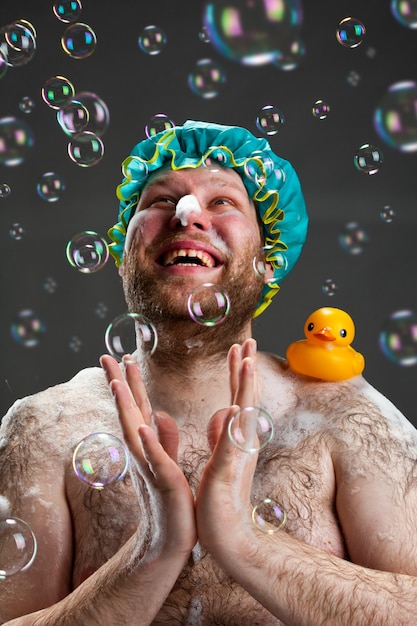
(173, 258)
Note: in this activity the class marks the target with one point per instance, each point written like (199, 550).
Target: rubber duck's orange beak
(325, 334)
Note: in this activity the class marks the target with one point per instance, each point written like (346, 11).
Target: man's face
(166, 259)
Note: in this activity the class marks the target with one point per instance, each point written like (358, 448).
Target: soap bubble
(320, 109)
(50, 187)
(50, 285)
(73, 117)
(86, 149)
(17, 231)
(88, 252)
(269, 516)
(75, 344)
(350, 32)
(353, 238)
(250, 429)
(158, 123)
(387, 214)
(16, 141)
(289, 59)
(18, 547)
(135, 169)
(368, 159)
(405, 12)
(395, 118)
(258, 167)
(28, 328)
(79, 40)
(5, 190)
(204, 35)
(329, 287)
(207, 78)
(398, 338)
(67, 11)
(98, 112)
(27, 104)
(17, 43)
(57, 91)
(128, 331)
(252, 33)
(100, 459)
(101, 310)
(269, 255)
(152, 40)
(353, 78)
(208, 304)
(215, 158)
(269, 120)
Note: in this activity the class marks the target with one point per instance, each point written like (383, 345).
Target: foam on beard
(5, 508)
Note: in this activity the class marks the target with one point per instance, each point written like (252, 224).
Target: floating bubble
(98, 112)
(135, 169)
(353, 78)
(86, 149)
(57, 91)
(101, 310)
(387, 214)
(75, 344)
(329, 287)
(395, 118)
(269, 516)
(207, 78)
(128, 332)
(320, 109)
(258, 167)
(5, 190)
(152, 40)
(405, 12)
(398, 338)
(27, 104)
(18, 43)
(350, 32)
(50, 187)
(73, 117)
(100, 459)
(268, 256)
(208, 304)
(289, 59)
(215, 158)
(50, 285)
(17, 231)
(88, 252)
(353, 238)
(157, 124)
(252, 33)
(269, 120)
(67, 11)
(250, 429)
(18, 547)
(204, 35)
(79, 40)
(16, 141)
(28, 328)
(368, 159)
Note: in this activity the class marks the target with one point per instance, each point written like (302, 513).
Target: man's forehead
(202, 175)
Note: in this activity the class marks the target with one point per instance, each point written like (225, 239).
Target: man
(174, 542)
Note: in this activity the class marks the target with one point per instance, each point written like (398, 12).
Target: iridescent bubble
(252, 33)
(157, 124)
(16, 141)
(387, 214)
(250, 429)
(57, 91)
(269, 119)
(18, 43)
(100, 459)
(18, 547)
(28, 328)
(75, 344)
(135, 169)
(98, 112)
(350, 32)
(368, 159)
(329, 287)
(79, 40)
(101, 310)
(267, 257)
(258, 167)
(398, 338)
(204, 35)
(207, 78)
(50, 187)
(208, 304)
(215, 158)
(353, 238)
(320, 109)
(152, 40)
(289, 59)
(17, 231)
(395, 118)
(353, 78)
(128, 332)
(86, 149)
(27, 104)
(67, 11)
(50, 285)
(269, 516)
(405, 12)
(88, 252)
(73, 117)
(5, 190)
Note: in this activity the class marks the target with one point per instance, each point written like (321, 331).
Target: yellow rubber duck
(326, 352)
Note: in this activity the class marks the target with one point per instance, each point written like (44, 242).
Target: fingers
(168, 434)
(130, 416)
(242, 370)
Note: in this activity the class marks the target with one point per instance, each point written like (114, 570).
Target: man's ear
(120, 269)
(269, 273)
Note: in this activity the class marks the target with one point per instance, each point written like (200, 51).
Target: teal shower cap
(271, 182)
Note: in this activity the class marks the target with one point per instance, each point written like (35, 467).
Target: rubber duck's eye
(310, 326)
(343, 332)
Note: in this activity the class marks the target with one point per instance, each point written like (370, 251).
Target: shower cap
(271, 182)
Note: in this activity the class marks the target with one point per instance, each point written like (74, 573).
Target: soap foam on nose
(185, 206)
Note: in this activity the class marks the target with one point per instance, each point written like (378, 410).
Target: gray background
(136, 86)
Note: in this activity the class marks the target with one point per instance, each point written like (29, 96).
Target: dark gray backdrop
(136, 86)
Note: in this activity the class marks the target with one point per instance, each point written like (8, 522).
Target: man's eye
(220, 201)
(164, 200)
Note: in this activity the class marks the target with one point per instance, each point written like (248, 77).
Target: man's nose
(189, 214)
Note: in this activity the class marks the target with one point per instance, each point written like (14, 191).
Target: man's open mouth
(187, 257)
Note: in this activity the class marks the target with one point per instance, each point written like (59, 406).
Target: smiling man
(174, 542)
